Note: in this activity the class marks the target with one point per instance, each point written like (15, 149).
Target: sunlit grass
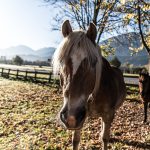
(29, 120)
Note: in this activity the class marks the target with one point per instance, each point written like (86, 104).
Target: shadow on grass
(135, 144)
(134, 100)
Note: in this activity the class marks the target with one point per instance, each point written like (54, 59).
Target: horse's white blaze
(77, 59)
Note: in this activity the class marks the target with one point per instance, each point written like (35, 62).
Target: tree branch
(140, 30)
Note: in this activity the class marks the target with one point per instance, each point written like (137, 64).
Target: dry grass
(28, 120)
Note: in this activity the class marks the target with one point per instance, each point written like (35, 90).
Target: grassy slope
(28, 120)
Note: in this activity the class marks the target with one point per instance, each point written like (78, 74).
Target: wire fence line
(47, 77)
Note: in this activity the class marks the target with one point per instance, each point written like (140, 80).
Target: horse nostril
(81, 115)
(63, 116)
(71, 121)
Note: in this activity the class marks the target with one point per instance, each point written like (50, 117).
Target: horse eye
(66, 93)
(141, 81)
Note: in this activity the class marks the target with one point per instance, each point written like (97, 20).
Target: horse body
(90, 85)
(110, 96)
(144, 87)
(112, 82)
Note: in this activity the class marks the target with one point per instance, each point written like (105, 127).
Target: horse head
(78, 60)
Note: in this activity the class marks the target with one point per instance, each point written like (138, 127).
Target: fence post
(8, 72)
(35, 75)
(17, 74)
(2, 72)
(26, 75)
(50, 76)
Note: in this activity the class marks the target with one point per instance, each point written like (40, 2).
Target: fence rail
(32, 75)
(47, 76)
(131, 79)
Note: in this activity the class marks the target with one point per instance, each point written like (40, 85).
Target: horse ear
(66, 28)
(92, 32)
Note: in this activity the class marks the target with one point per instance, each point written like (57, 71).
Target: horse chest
(98, 108)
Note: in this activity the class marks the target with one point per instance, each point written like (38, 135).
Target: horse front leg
(76, 139)
(145, 110)
(105, 133)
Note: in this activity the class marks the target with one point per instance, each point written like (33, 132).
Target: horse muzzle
(73, 122)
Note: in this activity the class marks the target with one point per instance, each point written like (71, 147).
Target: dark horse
(90, 85)
(144, 87)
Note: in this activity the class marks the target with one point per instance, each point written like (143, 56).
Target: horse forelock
(77, 46)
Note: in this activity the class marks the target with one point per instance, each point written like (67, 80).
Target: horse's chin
(78, 127)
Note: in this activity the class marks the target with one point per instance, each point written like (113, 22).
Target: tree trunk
(140, 30)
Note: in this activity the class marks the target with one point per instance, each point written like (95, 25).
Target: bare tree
(139, 18)
(82, 12)
(136, 16)
(111, 17)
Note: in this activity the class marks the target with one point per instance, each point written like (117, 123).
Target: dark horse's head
(78, 61)
(144, 84)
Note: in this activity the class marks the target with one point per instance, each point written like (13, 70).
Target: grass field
(28, 121)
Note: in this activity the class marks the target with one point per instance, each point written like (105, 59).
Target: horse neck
(148, 84)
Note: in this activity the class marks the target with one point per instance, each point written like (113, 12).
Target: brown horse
(144, 87)
(90, 85)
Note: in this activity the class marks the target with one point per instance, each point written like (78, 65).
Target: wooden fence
(46, 77)
(28, 75)
(131, 80)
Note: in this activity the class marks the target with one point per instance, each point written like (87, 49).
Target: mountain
(17, 50)
(125, 46)
(27, 53)
(47, 51)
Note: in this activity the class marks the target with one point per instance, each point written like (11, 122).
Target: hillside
(27, 53)
(126, 45)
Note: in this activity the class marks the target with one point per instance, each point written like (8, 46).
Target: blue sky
(26, 22)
